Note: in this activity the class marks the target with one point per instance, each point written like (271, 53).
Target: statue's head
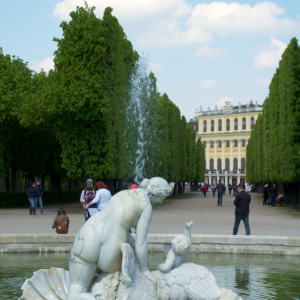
(157, 189)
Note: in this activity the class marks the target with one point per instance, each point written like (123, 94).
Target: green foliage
(81, 118)
(14, 84)
(274, 147)
(20, 199)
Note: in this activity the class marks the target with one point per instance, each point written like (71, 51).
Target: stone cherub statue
(103, 241)
(180, 248)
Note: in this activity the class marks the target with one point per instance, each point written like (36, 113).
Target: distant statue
(102, 241)
(180, 249)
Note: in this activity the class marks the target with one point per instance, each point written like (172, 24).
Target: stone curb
(201, 243)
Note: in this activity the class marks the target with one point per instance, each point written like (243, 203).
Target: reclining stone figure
(101, 241)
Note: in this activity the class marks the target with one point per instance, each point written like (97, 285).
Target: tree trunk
(175, 189)
(292, 191)
(55, 185)
(13, 181)
(7, 182)
(180, 188)
(110, 185)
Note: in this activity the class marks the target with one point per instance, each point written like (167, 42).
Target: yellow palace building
(225, 133)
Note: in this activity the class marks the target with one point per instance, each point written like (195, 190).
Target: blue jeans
(204, 193)
(220, 198)
(238, 218)
(35, 200)
(272, 200)
(40, 202)
(214, 193)
(31, 202)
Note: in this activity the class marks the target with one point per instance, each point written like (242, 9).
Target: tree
(15, 81)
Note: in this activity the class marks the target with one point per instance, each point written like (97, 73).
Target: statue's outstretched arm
(169, 262)
(141, 246)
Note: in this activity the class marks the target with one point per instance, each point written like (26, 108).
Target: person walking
(32, 198)
(229, 188)
(213, 188)
(234, 187)
(242, 208)
(40, 193)
(221, 190)
(266, 194)
(205, 190)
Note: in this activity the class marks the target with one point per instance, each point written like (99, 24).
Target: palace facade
(225, 133)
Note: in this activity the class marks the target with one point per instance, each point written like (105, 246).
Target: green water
(253, 277)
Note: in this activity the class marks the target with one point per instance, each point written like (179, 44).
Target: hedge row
(20, 199)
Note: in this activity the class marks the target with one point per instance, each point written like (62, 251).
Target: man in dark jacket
(221, 189)
(242, 203)
(40, 192)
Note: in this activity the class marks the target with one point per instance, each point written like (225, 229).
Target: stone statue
(180, 249)
(102, 241)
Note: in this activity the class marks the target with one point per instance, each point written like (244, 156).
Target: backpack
(89, 196)
(62, 226)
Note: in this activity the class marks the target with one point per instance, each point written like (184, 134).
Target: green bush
(20, 199)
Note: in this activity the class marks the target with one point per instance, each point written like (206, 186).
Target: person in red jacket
(205, 190)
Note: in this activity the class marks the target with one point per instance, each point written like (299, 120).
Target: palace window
(235, 164)
(212, 125)
(211, 164)
(227, 125)
(252, 122)
(236, 124)
(204, 126)
(227, 164)
(227, 143)
(244, 123)
(220, 125)
(243, 143)
(212, 144)
(235, 143)
(219, 144)
(243, 164)
(219, 164)
(204, 143)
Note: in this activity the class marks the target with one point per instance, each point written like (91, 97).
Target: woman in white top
(103, 195)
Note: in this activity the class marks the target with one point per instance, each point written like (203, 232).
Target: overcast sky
(202, 52)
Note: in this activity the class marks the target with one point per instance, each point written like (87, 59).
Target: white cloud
(207, 84)
(127, 9)
(233, 17)
(270, 55)
(47, 64)
(209, 52)
(263, 81)
(221, 102)
(153, 67)
(173, 23)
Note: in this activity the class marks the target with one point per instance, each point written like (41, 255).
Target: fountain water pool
(253, 277)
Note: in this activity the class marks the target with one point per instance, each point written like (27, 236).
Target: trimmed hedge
(20, 199)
